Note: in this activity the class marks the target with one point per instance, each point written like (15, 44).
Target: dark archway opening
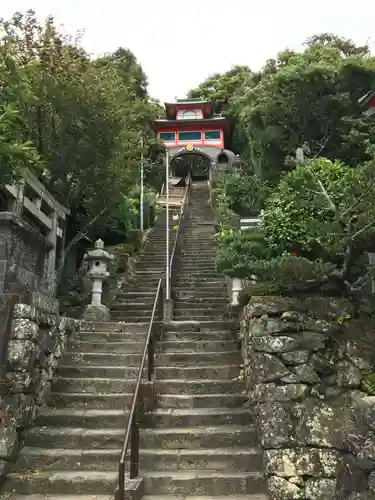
(222, 160)
(196, 164)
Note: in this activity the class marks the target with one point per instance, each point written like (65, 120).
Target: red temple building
(192, 128)
(368, 103)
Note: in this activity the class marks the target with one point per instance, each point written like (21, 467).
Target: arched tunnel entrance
(197, 164)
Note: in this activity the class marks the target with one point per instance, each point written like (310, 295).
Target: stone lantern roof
(99, 253)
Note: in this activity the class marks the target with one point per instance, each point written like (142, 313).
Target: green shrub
(244, 193)
(368, 384)
(238, 249)
(256, 290)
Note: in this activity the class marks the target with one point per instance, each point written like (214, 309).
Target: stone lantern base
(99, 313)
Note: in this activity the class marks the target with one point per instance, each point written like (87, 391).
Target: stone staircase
(134, 303)
(201, 293)
(198, 442)
(75, 444)
(74, 447)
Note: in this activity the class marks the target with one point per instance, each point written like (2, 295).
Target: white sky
(180, 43)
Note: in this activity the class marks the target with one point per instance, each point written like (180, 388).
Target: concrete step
(94, 385)
(75, 417)
(197, 358)
(177, 401)
(202, 289)
(198, 437)
(191, 417)
(98, 358)
(61, 497)
(199, 268)
(197, 336)
(204, 298)
(201, 280)
(145, 296)
(200, 482)
(180, 317)
(120, 316)
(202, 326)
(199, 304)
(115, 326)
(165, 359)
(62, 483)
(198, 314)
(205, 497)
(65, 459)
(74, 437)
(202, 346)
(204, 386)
(114, 401)
(198, 372)
(134, 306)
(217, 459)
(129, 312)
(102, 347)
(110, 337)
(92, 371)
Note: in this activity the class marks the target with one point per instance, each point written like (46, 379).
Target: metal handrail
(179, 227)
(132, 430)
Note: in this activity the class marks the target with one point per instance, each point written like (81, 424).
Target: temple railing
(173, 262)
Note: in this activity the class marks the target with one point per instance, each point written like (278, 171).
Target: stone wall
(356, 479)
(23, 254)
(303, 368)
(37, 340)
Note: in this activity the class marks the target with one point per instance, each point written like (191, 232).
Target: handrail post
(134, 448)
(132, 429)
(150, 357)
(167, 270)
(121, 481)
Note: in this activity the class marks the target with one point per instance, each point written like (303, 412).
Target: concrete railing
(31, 202)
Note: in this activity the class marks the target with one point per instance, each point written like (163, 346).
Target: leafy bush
(244, 193)
(256, 290)
(238, 249)
(368, 384)
(289, 272)
(298, 216)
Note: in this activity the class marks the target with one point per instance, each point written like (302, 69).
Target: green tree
(16, 152)
(221, 87)
(128, 69)
(324, 211)
(306, 97)
(85, 120)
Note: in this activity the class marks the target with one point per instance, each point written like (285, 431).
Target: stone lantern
(98, 260)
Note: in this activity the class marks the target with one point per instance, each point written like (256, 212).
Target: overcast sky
(180, 42)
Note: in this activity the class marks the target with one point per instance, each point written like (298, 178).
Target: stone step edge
(86, 475)
(199, 429)
(157, 354)
(156, 379)
(163, 381)
(48, 411)
(61, 497)
(75, 452)
(250, 496)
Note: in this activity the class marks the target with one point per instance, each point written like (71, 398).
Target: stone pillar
(236, 290)
(16, 205)
(168, 310)
(52, 238)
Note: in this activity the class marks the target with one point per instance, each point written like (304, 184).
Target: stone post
(51, 261)
(16, 205)
(236, 290)
(98, 260)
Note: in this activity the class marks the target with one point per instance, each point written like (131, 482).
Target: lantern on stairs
(98, 260)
